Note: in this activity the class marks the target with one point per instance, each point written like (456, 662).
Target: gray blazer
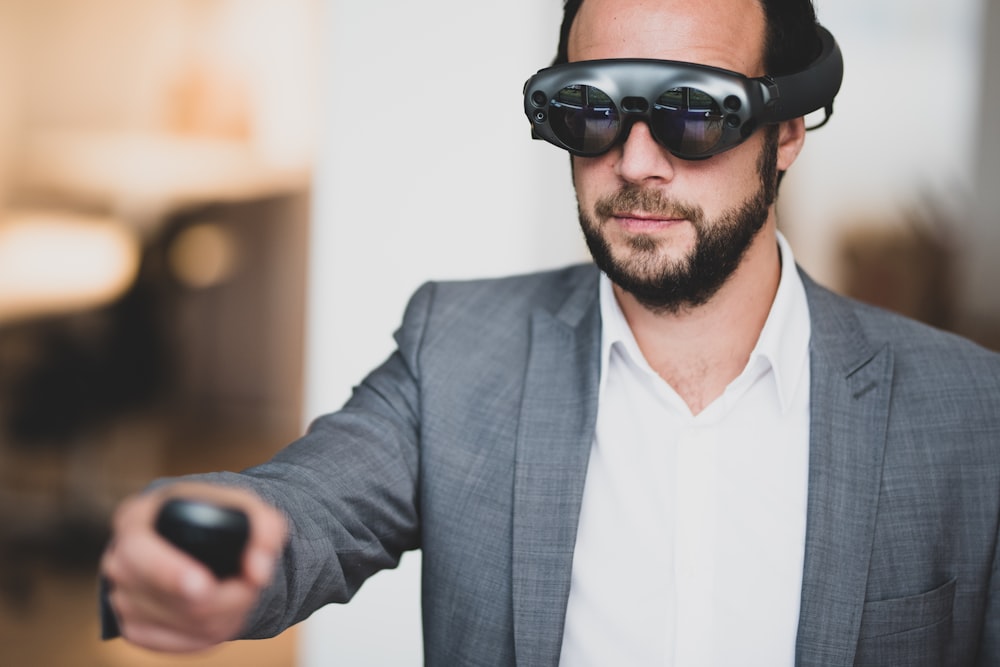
(471, 443)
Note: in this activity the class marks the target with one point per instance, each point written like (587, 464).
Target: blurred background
(212, 213)
(156, 162)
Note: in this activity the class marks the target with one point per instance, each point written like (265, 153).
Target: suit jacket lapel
(558, 415)
(850, 389)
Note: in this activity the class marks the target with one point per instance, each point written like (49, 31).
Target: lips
(645, 222)
(648, 217)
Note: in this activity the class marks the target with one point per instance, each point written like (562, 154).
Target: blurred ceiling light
(203, 255)
(54, 262)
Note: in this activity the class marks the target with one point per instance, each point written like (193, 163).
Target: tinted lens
(584, 118)
(688, 121)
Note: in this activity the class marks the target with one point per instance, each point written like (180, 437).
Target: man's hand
(164, 599)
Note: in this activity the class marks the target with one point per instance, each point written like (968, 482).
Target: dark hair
(791, 41)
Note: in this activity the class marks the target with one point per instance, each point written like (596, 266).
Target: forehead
(721, 33)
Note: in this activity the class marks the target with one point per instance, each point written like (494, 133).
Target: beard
(672, 286)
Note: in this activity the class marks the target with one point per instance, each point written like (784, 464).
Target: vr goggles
(694, 111)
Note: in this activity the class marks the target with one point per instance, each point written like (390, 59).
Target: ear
(791, 137)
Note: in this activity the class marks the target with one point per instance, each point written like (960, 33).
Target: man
(693, 456)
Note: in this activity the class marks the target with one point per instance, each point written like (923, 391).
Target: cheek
(589, 176)
(734, 176)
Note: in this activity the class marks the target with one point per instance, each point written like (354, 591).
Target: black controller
(214, 534)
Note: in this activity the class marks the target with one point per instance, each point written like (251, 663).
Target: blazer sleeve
(348, 487)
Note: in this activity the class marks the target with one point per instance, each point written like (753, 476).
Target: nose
(641, 159)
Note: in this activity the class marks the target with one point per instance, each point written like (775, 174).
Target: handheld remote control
(213, 534)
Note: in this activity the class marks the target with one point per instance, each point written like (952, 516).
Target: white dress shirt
(692, 529)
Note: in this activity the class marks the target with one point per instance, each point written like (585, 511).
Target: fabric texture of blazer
(471, 442)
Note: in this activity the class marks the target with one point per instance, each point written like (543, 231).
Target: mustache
(647, 201)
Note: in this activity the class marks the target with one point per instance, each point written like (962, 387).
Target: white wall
(904, 126)
(426, 171)
(982, 275)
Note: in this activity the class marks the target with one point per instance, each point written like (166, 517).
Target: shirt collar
(784, 340)
(783, 345)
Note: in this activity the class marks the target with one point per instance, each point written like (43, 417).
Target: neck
(699, 351)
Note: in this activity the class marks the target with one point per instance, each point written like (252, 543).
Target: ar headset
(694, 111)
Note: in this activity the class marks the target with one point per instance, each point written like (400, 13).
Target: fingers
(163, 621)
(165, 600)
